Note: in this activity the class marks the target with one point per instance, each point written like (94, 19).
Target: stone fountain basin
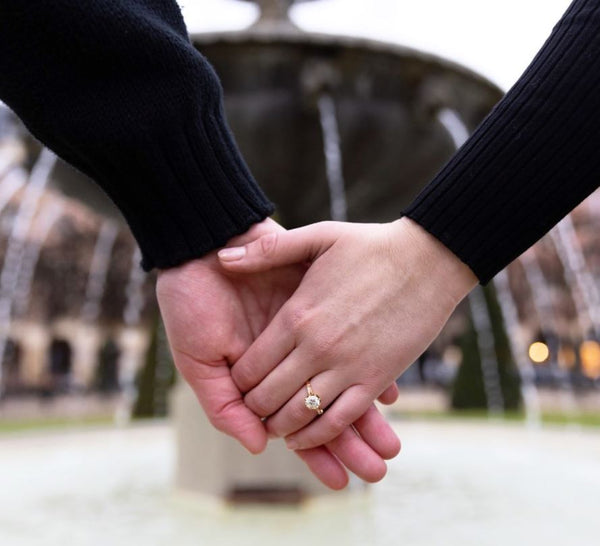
(386, 99)
(454, 484)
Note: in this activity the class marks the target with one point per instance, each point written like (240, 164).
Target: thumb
(280, 248)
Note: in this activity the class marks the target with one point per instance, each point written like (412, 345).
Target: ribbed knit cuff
(117, 90)
(197, 195)
(531, 161)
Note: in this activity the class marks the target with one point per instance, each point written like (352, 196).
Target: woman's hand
(374, 297)
(212, 316)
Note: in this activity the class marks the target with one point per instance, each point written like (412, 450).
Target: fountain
(354, 128)
(281, 85)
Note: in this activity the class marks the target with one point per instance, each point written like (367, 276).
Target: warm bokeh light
(589, 351)
(539, 352)
(567, 357)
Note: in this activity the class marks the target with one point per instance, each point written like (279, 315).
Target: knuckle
(288, 424)
(325, 224)
(327, 343)
(217, 422)
(375, 377)
(325, 346)
(242, 376)
(261, 404)
(298, 417)
(336, 424)
(298, 318)
(220, 419)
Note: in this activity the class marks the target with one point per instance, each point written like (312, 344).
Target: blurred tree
(156, 378)
(468, 390)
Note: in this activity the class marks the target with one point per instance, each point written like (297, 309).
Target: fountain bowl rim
(287, 37)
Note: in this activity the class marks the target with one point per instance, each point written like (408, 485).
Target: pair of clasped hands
(345, 306)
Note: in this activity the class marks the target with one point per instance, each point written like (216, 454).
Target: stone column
(85, 340)
(133, 343)
(34, 341)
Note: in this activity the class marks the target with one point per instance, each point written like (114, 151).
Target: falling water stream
(333, 158)
(577, 273)
(14, 258)
(43, 224)
(131, 316)
(134, 291)
(487, 351)
(454, 125)
(10, 184)
(529, 392)
(96, 283)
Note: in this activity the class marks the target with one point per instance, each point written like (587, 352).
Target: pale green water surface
(454, 484)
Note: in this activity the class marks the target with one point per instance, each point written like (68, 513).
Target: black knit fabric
(116, 89)
(532, 160)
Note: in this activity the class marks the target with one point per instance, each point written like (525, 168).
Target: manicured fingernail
(232, 254)
(291, 444)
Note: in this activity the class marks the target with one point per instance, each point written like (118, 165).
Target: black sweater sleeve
(533, 159)
(116, 89)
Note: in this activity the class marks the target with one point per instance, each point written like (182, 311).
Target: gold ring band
(312, 400)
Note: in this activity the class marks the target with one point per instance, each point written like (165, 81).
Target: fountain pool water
(455, 483)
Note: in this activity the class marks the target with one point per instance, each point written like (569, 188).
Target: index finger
(274, 343)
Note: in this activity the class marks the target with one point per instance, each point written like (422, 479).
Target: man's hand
(374, 298)
(212, 317)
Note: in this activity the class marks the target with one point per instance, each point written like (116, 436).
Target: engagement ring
(312, 401)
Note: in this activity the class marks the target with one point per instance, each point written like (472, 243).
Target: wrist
(434, 260)
(254, 232)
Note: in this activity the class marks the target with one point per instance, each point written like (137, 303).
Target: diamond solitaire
(312, 401)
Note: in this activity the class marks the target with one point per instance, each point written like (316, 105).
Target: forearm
(532, 160)
(117, 90)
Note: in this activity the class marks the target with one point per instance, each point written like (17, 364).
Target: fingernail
(232, 254)
(291, 444)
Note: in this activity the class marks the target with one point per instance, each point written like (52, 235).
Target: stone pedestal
(211, 463)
